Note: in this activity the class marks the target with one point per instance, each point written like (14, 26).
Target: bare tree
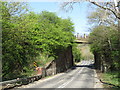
(113, 7)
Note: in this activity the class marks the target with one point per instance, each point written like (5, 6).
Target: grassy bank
(111, 79)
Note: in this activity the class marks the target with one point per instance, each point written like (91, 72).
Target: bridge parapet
(82, 41)
(80, 37)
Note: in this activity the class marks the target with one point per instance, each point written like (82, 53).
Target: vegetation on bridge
(28, 37)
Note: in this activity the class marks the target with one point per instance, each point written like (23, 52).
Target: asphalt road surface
(80, 76)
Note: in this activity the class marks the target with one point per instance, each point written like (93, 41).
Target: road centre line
(65, 84)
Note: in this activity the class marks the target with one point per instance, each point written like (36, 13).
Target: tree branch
(105, 8)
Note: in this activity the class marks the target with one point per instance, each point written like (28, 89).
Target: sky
(78, 15)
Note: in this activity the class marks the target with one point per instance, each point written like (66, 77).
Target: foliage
(43, 59)
(53, 34)
(15, 52)
(85, 52)
(101, 17)
(105, 42)
(76, 53)
(29, 37)
(105, 38)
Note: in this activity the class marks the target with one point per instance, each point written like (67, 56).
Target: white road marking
(80, 70)
(65, 84)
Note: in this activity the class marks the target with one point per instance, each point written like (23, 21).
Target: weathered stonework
(61, 64)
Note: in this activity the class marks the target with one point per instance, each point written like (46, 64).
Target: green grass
(111, 79)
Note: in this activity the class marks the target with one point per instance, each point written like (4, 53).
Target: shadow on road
(91, 66)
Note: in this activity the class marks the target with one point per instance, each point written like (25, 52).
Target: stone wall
(61, 64)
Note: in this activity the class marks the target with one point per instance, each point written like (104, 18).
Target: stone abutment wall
(61, 64)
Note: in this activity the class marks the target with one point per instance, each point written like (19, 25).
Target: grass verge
(110, 79)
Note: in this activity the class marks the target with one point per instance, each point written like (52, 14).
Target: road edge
(98, 84)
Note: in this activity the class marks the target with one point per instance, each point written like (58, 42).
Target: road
(80, 76)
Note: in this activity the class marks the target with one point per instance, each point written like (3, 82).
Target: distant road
(80, 76)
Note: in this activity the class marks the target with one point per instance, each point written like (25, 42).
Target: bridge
(82, 39)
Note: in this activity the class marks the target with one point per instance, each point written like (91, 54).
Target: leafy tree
(26, 35)
(11, 38)
(103, 32)
(76, 53)
(53, 35)
(105, 42)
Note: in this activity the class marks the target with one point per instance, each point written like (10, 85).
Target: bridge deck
(81, 41)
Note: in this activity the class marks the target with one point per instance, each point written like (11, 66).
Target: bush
(76, 54)
(26, 35)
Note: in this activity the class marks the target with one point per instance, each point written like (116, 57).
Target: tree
(27, 35)
(76, 53)
(101, 17)
(103, 37)
(53, 34)
(110, 6)
(14, 36)
(105, 44)
(113, 7)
